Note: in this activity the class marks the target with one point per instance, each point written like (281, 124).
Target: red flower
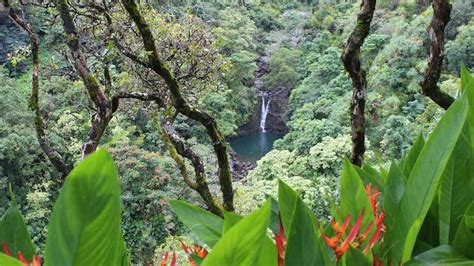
(335, 242)
(164, 259)
(36, 259)
(196, 250)
(354, 239)
(280, 242)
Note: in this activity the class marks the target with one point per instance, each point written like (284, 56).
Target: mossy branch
(351, 60)
(429, 85)
(103, 106)
(177, 148)
(182, 105)
(54, 157)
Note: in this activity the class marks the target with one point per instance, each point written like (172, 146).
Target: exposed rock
(239, 168)
(277, 116)
(11, 36)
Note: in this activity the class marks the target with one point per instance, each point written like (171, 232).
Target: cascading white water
(264, 113)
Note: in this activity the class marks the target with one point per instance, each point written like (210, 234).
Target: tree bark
(103, 106)
(351, 60)
(53, 156)
(181, 104)
(429, 86)
(177, 148)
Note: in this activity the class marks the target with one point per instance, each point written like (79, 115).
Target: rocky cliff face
(277, 115)
(10, 37)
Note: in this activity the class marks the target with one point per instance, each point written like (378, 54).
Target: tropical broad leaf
(246, 243)
(271, 255)
(14, 234)
(426, 175)
(410, 240)
(441, 255)
(464, 238)
(354, 199)
(287, 198)
(394, 191)
(428, 236)
(407, 163)
(369, 175)
(466, 79)
(275, 216)
(355, 257)
(205, 225)
(230, 219)
(9, 261)
(457, 185)
(395, 187)
(85, 224)
(304, 246)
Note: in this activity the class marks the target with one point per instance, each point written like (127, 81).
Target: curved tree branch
(429, 86)
(351, 60)
(104, 108)
(177, 148)
(182, 106)
(113, 37)
(53, 156)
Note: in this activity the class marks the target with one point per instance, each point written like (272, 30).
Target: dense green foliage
(424, 195)
(401, 228)
(296, 46)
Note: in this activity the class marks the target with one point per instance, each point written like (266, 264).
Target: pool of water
(253, 146)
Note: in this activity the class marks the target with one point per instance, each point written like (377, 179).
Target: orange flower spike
(173, 260)
(346, 224)
(185, 248)
(350, 239)
(377, 262)
(335, 226)
(5, 249)
(355, 230)
(331, 242)
(280, 243)
(200, 251)
(380, 218)
(362, 237)
(164, 259)
(368, 189)
(340, 230)
(373, 195)
(373, 240)
(22, 259)
(36, 261)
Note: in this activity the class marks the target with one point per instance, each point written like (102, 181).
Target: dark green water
(254, 146)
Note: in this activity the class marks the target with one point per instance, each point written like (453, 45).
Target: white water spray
(264, 113)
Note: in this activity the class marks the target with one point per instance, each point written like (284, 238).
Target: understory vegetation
(160, 88)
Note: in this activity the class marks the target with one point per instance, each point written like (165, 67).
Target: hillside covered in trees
(236, 132)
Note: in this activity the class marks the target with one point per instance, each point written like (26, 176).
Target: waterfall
(264, 113)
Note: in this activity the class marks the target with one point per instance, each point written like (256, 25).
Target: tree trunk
(182, 106)
(53, 156)
(177, 148)
(429, 86)
(351, 60)
(104, 110)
